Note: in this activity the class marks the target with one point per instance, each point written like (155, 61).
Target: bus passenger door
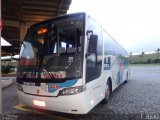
(93, 70)
(94, 60)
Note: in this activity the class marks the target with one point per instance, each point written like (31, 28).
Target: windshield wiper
(44, 70)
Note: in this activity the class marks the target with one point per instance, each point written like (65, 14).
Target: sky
(135, 24)
(4, 42)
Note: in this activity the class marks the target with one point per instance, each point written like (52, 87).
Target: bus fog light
(39, 103)
(72, 90)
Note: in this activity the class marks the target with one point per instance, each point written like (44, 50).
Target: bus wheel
(126, 78)
(107, 93)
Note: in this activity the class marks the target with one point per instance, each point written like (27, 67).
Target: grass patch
(146, 65)
(152, 59)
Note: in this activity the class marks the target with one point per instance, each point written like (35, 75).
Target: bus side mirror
(92, 46)
(14, 56)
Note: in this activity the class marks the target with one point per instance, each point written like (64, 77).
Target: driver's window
(91, 60)
(21, 50)
(28, 52)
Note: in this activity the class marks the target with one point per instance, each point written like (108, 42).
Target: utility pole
(158, 55)
(130, 57)
(158, 60)
(0, 64)
(142, 58)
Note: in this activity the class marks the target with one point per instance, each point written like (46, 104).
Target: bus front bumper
(75, 104)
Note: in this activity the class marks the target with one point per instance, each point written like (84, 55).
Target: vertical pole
(158, 55)
(22, 31)
(0, 64)
(130, 57)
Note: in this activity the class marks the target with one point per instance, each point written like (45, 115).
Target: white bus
(69, 64)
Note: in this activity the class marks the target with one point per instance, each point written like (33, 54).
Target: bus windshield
(53, 50)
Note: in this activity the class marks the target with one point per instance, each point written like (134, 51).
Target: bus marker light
(39, 103)
(102, 95)
(92, 102)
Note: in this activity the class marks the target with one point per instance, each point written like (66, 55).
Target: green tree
(149, 61)
(142, 56)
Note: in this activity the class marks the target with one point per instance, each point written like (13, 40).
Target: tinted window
(111, 47)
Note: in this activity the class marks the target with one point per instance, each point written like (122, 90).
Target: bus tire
(108, 91)
(126, 78)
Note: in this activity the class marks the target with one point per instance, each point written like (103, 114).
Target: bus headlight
(19, 87)
(72, 90)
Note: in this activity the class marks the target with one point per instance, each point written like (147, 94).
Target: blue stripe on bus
(52, 87)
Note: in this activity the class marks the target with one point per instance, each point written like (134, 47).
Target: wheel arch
(127, 75)
(109, 80)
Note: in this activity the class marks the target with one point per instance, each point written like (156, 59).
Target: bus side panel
(119, 71)
(97, 89)
(116, 70)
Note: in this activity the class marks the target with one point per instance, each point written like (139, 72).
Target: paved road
(138, 99)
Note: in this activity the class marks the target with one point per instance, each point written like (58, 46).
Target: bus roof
(59, 17)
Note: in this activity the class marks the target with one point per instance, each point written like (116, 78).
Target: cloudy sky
(135, 24)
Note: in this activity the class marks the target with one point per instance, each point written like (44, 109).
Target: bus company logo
(107, 63)
(52, 87)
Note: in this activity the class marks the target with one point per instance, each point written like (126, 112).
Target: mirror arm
(89, 31)
(14, 58)
(87, 54)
